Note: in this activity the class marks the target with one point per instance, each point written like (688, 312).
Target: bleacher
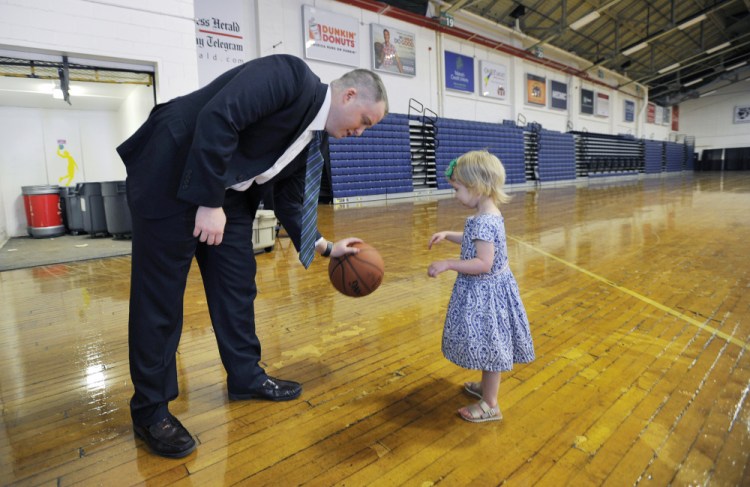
(455, 137)
(389, 159)
(376, 163)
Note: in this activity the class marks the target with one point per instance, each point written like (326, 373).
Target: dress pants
(163, 250)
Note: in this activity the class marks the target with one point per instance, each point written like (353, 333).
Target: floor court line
(643, 298)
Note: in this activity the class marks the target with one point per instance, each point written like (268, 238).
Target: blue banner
(459, 72)
(629, 111)
(558, 95)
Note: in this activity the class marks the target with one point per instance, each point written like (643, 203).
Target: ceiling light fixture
(737, 65)
(635, 48)
(707, 93)
(694, 82)
(718, 48)
(669, 68)
(692, 22)
(585, 20)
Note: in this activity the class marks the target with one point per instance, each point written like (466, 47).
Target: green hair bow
(451, 167)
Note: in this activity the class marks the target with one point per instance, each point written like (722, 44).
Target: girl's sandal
(480, 412)
(473, 388)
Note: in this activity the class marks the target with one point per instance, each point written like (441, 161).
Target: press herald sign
(219, 38)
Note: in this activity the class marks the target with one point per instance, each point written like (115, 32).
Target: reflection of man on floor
(72, 166)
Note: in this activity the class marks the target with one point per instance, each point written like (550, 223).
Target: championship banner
(330, 37)
(494, 80)
(587, 102)
(459, 72)
(536, 90)
(558, 95)
(602, 105)
(651, 113)
(629, 111)
(676, 118)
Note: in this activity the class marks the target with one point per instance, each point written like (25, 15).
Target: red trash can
(43, 213)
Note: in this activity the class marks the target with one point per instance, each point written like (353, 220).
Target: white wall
(29, 137)
(710, 118)
(159, 33)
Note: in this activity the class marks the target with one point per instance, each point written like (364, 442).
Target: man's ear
(350, 94)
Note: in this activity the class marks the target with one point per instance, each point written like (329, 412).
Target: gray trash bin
(92, 209)
(119, 223)
(73, 216)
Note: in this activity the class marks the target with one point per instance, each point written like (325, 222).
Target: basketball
(357, 275)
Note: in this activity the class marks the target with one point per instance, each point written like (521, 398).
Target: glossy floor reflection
(637, 291)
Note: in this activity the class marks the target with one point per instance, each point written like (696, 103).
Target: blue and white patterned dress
(486, 327)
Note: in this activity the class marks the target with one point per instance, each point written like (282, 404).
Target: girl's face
(466, 197)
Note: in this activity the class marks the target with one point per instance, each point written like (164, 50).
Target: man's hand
(209, 225)
(342, 247)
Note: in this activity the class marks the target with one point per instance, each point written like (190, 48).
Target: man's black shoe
(272, 390)
(167, 438)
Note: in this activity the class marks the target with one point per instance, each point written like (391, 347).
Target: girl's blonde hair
(483, 174)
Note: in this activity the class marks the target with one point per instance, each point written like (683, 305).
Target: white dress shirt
(318, 123)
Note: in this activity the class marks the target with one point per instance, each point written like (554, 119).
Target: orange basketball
(359, 274)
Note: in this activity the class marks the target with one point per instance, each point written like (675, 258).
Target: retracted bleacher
(456, 137)
(607, 155)
(377, 163)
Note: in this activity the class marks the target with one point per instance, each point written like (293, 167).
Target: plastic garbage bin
(43, 214)
(264, 231)
(70, 199)
(92, 209)
(116, 209)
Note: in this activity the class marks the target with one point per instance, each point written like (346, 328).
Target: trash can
(70, 200)
(43, 214)
(116, 209)
(264, 231)
(92, 209)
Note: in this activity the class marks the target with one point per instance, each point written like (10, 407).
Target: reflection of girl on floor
(72, 166)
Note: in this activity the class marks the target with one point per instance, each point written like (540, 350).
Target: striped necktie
(310, 203)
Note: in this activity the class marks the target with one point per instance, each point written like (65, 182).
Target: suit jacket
(193, 147)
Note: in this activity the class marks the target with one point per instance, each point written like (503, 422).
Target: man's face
(351, 114)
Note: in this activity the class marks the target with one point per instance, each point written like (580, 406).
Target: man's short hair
(367, 83)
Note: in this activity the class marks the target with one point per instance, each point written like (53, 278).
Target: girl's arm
(454, 237)
(478, 265)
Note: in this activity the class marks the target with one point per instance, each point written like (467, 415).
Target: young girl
(486, 327)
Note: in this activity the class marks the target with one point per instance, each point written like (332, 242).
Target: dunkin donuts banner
(330, 37)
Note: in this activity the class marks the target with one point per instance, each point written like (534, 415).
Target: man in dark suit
(197, 170)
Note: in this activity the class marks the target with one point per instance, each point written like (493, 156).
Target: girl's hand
(437, 237)
(438, 267)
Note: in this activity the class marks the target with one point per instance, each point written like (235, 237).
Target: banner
(602, 105)
(665, 115)
(459, 72)
(676, 118)
(587, 102)
(220, 37)
(536, 90)
(393, 50)
(629, 111)
(651, 113)
(741, 114)
(558, 95)
(494, 80)
(330, 37)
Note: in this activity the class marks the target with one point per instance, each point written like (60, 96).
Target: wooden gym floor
(638, 296)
